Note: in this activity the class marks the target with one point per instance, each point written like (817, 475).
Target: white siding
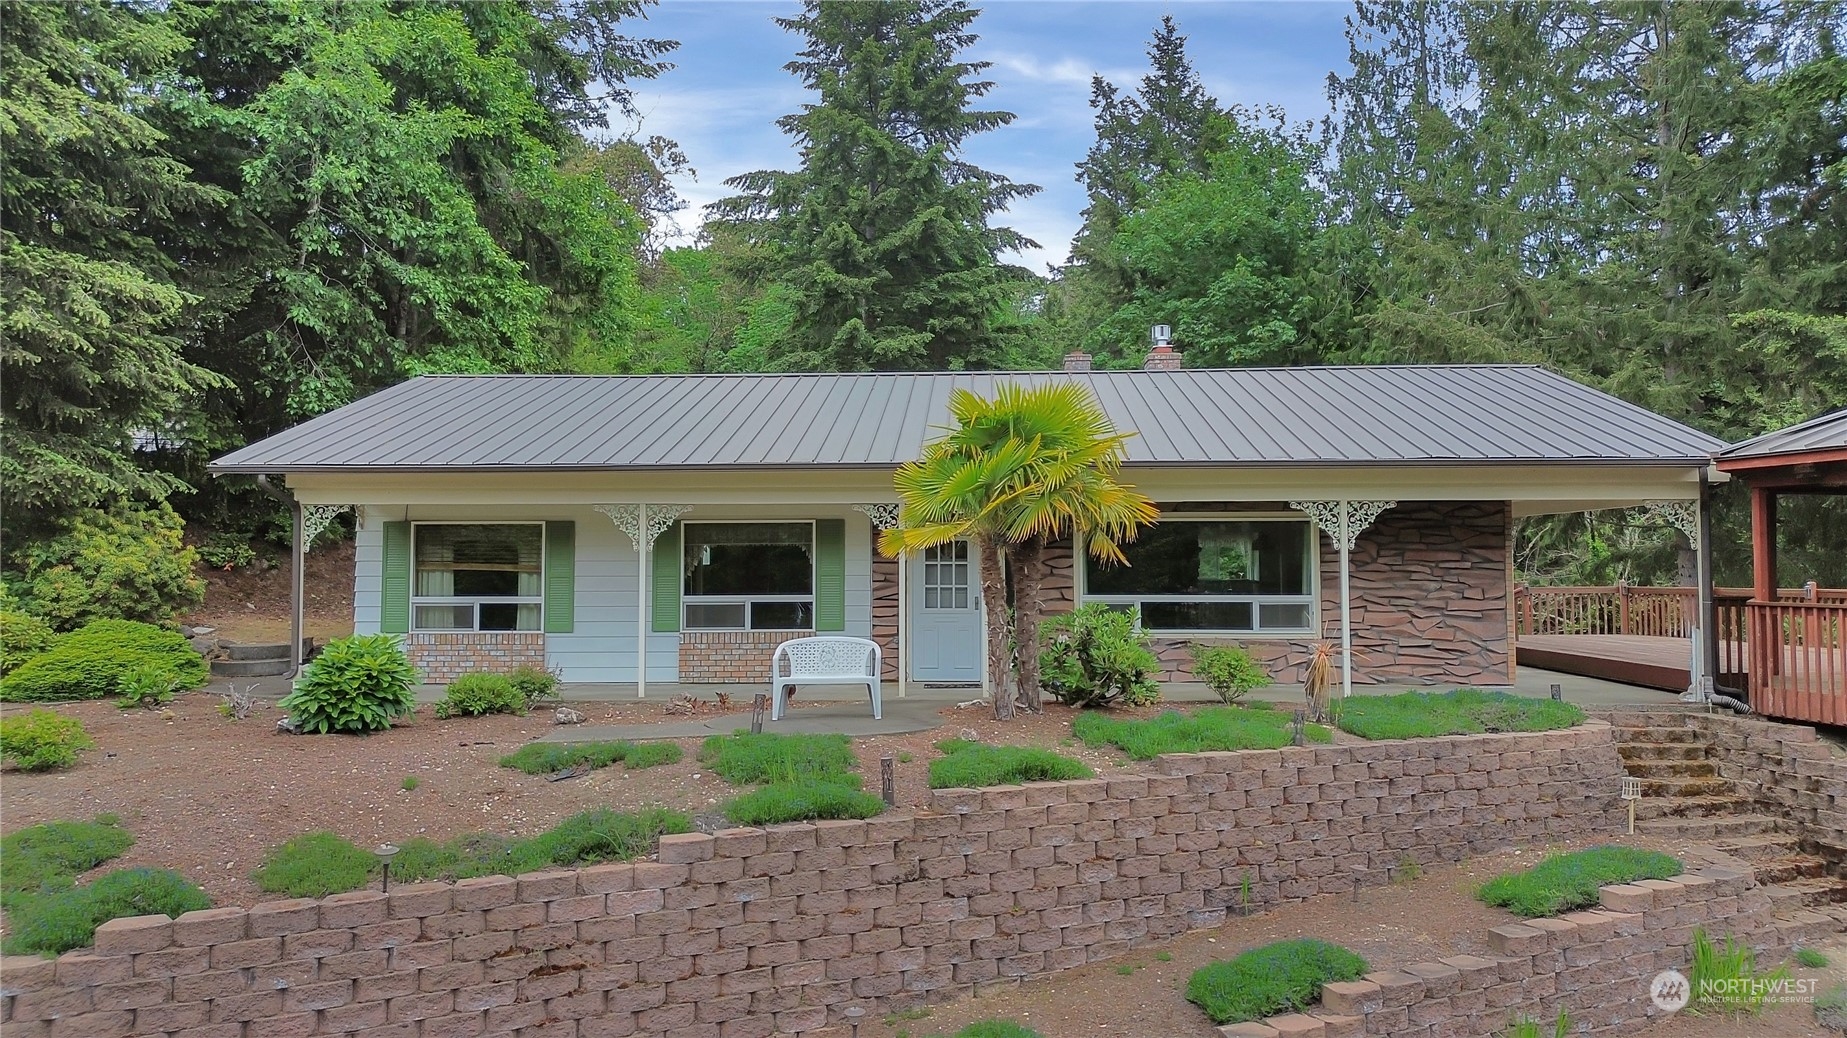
(859, 575)
(601, 646)
(368, 571)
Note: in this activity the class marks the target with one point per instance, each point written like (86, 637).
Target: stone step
(1790, 870)
(1706, 827)
(1684, 787)
(1692, 807)
(1804, 927)
(251, 668)
(1620, 718)
(1661, 751)
(277, 651)
(1761, 846)
(1626, 736)
(1806, 892)
(1671, 769)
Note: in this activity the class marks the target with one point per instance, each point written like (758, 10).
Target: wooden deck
(1633, 659)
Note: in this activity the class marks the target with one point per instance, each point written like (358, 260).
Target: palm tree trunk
(994, 602)
(1028, 609)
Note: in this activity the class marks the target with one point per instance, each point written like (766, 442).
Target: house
(677, 527)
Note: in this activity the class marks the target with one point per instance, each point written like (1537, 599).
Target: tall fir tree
(881, 242)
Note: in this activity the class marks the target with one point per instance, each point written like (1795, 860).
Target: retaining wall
(750, 932)
(1786, 768)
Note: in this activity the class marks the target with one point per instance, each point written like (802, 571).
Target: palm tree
(1031, 466)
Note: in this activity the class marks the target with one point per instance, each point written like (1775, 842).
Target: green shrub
(473, 695)
(91, 663)
(1210, 728)
(53, 923)
(1466, 711)
(227, 550)
(593, 836)
(42, 740)
(1811, 958)
(1229, 672)
(1565, 882)
(1276, 978)
(971, 765)
(315, 865)
(1725, 977)
(545, 758)
(22, 636)
(150, 686)
(535, 684)
(996, 1029)
(767, 757)
(801, 802)
(1095, 657)
(126, 565)
(1529, 1027)
(356, 684)
(48, 856)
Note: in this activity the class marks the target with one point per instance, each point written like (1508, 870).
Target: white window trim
(477, 602)
(746, 600)
(1312, 600)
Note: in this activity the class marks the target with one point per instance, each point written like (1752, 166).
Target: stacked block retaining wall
(750, 932)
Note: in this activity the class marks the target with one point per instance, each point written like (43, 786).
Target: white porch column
(1343, 521)
(884, 517)
(643, 528)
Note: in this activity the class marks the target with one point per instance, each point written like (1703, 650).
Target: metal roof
(1827, 433)
(1464, 414)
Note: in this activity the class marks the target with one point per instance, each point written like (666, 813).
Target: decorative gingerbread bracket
(628, 519)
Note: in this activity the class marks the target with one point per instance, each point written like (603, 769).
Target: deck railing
(1798, 665)
(1656, 612)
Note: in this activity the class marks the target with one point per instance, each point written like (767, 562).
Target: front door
(945, 615)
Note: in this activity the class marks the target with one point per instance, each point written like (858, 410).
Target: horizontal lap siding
(368, 571)
(601, 647)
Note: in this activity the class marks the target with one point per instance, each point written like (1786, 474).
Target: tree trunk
(1028, 610)
(1000, 629)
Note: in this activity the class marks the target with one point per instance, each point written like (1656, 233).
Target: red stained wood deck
(1633, 659)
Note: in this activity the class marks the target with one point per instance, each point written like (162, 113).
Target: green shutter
(394, 581)
(560, 577)
(667, 580)
(830, 575)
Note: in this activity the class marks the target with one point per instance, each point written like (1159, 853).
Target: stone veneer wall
(441, 658)
(729, 656)
(1431, 591)
(749, 932)
(1596, 965)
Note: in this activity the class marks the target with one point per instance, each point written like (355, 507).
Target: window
(748, 576)
(1248, 575)
(478, 576)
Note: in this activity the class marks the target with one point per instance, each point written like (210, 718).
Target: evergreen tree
(881, 239)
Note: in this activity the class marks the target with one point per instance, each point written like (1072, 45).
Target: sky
(728, 86)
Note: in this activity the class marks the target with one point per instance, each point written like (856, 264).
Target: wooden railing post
(1622, 607)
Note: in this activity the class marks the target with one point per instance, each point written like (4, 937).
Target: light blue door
(945, 615)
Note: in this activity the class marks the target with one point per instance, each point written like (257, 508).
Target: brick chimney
(1162, 358)
(1077, 360)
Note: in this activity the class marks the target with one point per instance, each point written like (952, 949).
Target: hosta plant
(356, 684)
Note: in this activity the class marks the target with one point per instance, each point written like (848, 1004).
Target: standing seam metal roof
(1828, 432)
(1455, 414)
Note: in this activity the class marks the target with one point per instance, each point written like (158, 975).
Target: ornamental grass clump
(971, 765)
(742, 757)
(1466, 711)
(1276, 978)
(548, 758)
(315, 865)
(802, 802)
(53, 923)
(1210, 728)
(1566, 882)
(50, 855)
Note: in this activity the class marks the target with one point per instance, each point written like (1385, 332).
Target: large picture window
(478, 576)
(1238, 576)
(748, 576)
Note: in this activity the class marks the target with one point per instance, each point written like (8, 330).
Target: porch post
(885, 517)
(1343, 521)
(900, 642)
(1708, 609)
(642, 578)
(1763, 544)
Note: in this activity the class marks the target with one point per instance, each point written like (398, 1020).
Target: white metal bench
(825, 660)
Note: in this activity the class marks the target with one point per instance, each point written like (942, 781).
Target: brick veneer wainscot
(1431, 597)
(754, 931)
(441, 658)
(730, 657)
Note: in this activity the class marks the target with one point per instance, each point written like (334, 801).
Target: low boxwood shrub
(315, 865)
(91, 663)
(56, 922)
(42, 740)
(50, 855)
(535, 684)
(802, 802)
(970, 765)
(1096, 656)
(768, 757)
(545, 758)
(1566, 882)
(1466, 711)
(1275, 978)
(356, 684)
(22, 636)
(473, 695)
(1230, 672)
(1209, 728)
